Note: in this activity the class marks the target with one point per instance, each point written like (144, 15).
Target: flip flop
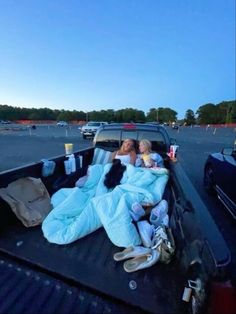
(132, 251)
(141, 262)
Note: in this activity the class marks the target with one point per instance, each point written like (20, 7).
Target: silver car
(91, 128)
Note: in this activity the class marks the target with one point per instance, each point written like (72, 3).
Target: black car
(220, 177)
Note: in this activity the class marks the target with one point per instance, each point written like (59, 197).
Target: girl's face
(143, 148)
(127, 146)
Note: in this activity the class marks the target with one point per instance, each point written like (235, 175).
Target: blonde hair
(146, 143)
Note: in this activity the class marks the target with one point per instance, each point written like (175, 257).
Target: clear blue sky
(113, 54)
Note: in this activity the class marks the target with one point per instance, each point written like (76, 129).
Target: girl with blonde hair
(148, 158)
(126, 153)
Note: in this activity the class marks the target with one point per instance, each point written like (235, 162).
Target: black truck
(82, 277)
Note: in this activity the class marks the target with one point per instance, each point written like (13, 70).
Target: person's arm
(113, 155)
(158, 159)
(133, 157)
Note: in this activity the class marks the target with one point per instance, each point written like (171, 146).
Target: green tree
(64, 115)
(152, 115)
(139, 116)
(189, 117)
(206, 114)
(227, 111)
(161, 115)
(232, 112)
(224, 112)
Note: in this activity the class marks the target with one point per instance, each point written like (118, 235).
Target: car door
(228, 176)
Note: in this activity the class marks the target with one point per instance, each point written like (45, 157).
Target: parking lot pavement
(23, 146)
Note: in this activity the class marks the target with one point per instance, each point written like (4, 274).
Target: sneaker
(136, 211)
(159, 213)
(146, 232)
(163, 242)
(158, 237)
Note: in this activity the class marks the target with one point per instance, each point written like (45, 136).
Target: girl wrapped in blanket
(147, 158)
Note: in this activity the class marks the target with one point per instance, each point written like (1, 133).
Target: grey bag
(28, 199)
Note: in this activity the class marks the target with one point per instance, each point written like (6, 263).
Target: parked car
(220, 177)
(5, 122)
(62, 123)
(175, 126)
(91, 128)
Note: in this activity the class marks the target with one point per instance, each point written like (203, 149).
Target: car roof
(134, 126)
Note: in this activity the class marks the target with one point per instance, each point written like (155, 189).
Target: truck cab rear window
(114, 138)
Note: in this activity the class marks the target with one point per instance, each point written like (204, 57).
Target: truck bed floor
(89, 262)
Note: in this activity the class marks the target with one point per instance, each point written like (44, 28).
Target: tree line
(224, 112)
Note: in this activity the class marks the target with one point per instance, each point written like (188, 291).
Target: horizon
(89, 55)
(145, 112)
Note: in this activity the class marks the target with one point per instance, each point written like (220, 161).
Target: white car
(62, 123)
(91, 128)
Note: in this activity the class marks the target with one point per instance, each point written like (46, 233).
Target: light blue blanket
(80, 211)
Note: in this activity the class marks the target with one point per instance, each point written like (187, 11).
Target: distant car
(5, 121)
(91, 128)
(220, 177)
(62, 123)
(175, 126)
(32, 126)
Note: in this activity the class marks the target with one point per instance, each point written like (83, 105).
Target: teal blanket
(80, 211)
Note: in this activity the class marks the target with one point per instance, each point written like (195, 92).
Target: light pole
(157, 116)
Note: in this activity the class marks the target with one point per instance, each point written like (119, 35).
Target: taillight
(222, 299)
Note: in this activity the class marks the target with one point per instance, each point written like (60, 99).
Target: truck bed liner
(89, 262)
(25, 291)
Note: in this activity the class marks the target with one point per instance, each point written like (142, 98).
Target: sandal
(132, 251)
(141, 262)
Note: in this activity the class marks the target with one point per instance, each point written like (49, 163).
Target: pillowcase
(101, 156)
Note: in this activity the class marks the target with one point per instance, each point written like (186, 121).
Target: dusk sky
(115, 54)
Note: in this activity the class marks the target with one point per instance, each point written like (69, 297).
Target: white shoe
(159, 213)
(146, 232)
(142, 262)
(132, 251)
(136, 211)
(159, 236)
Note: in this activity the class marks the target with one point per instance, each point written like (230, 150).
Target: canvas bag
(28, 199)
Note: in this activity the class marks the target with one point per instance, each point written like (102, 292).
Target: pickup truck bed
(89, 262)
(25, 289)
(40, 277)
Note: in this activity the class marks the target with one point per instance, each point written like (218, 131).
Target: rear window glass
(109, 139)
(151, 136)
(94, 124)
(113, 138)
(129, 134)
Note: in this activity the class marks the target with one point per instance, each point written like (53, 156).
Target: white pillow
(101, 156)
(138, 161)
